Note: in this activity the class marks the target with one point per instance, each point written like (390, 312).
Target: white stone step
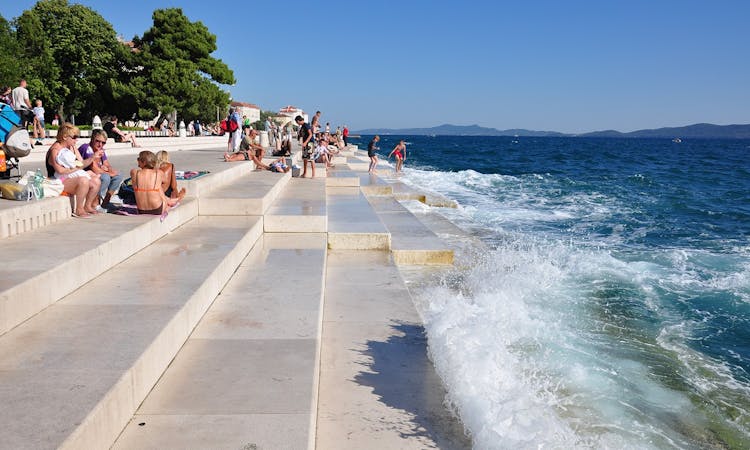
(372, 184)
(411, 241)
(73, 375)
(251, 194)
(378, 388)
(342, 178)
(300, 208)
(248, 375)
(402, 192)
(47, 264)
(353, 223)
(18, 217)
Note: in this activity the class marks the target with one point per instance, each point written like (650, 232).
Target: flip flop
(81, 216)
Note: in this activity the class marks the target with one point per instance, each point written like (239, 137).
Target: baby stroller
(14, 139)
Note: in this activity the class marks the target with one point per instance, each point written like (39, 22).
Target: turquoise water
(612, 308)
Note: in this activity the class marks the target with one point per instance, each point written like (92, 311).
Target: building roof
(245, 105)
(289, 108)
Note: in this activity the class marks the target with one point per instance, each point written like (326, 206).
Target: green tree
(10, 69)
(176, 69)
(73, 56)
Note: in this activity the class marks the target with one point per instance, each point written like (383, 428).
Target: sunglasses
(75, 136)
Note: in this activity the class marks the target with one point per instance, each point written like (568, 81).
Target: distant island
(697, 131)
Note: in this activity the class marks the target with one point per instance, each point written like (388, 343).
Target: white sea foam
(553, 342)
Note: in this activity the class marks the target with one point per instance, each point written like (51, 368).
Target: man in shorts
(22, 104)
(306, 134)
(249, 151)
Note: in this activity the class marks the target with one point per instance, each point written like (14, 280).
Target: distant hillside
(457, 130)
(697, 131)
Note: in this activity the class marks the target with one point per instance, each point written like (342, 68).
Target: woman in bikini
(169, 180)
(147, 181)
(399, 156)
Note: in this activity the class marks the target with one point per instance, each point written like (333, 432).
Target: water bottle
(38, 179)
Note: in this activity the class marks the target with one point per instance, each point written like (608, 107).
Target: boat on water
(676, 140)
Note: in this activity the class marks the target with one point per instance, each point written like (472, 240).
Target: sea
(608, 305)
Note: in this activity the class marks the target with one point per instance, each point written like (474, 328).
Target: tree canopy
(177, 71)
(72, 60)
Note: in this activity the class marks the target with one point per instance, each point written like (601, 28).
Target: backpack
(126, 192)
(228, 125)
(16, 139)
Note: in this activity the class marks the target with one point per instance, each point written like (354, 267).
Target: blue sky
(570, 66)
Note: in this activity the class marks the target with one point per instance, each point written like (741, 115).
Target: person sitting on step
(111, 179)
(249, 151)
(147, 182)
(169, 179)
(65, 163)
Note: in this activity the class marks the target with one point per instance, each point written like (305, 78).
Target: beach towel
(184, 175)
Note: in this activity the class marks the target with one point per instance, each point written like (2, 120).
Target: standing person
(110, 178)
(371, 149)
(197, 127)
(269, 130)
(328, 127)
(245, 122)
(315, 124)
(345, 135)
(118, 135)
(306, 134)
(39, 132)
(235, 136)
(400, 147)
(22, 106)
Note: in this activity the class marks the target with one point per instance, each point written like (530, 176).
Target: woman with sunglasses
(111, 179)
(67, 165)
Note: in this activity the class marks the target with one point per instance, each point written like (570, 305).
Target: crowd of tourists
(87, 175)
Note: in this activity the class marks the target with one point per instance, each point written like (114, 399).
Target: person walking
(371, 149)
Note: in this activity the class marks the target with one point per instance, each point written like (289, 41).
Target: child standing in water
(371, 148)
(401, 147)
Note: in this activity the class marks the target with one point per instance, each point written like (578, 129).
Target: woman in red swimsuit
(399, 156)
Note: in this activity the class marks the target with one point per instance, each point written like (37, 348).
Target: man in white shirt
(22, 104)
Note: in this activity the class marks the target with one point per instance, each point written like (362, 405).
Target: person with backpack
(232, 125)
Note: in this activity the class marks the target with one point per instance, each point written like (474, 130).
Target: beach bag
(17, 144)
(126, 192)
(11, 190)
(52, 187)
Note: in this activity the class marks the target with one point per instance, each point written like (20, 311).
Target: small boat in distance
(676, 140)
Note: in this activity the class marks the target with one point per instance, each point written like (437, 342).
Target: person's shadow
(403, 377)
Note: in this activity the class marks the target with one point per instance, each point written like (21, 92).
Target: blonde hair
(66, 130)
(162, 157)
